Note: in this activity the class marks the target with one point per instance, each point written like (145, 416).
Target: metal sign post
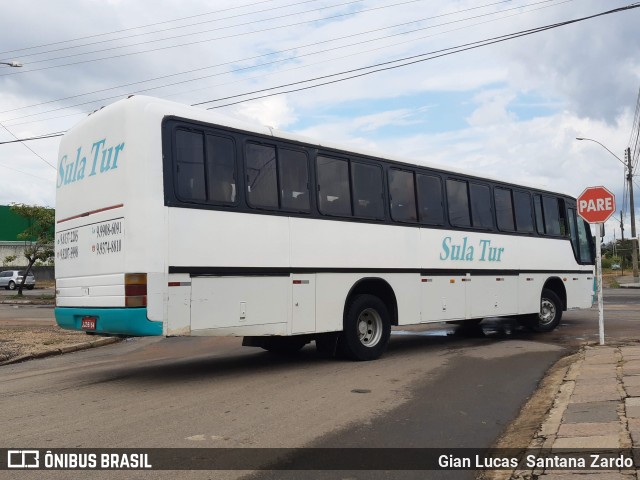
(596, 205)
(599, 283)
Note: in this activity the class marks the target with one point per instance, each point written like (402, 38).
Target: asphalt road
(437, 386)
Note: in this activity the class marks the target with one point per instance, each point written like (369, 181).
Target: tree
(39, 233)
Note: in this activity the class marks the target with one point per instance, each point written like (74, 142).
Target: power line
(350, 2)
(207, 40)
(39, 137)
(415, 58)
(25, 173)
(285, 59)
(430, 56)
(27, 147)
(262, 76)
(279, 52)
(141, 26)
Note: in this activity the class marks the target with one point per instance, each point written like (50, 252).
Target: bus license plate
(88, 323)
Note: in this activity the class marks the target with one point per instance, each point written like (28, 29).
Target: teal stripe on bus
(115, 321)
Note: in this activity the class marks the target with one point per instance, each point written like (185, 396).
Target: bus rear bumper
(109, 321)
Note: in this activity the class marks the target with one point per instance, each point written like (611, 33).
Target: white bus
(173, 221)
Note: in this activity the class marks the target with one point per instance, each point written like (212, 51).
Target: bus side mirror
(601, 230)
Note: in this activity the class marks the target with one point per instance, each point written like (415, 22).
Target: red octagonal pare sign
(596, 204)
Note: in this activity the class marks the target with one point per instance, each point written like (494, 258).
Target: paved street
(437, 386)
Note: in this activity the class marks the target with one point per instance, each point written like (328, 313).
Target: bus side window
(537, 203)
(504, 209)
(403, 197)
(430, 199)
(262, 186)
(523, 212)
(221, 169)
(562, 213)
(584, 242)
(334, 196)
(551, 215)
(481, 215)
(571, 217)
(293, 169)
(190, 165)
(367, 190)
(458, 202)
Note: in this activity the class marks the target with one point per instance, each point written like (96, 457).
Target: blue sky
(510, 110)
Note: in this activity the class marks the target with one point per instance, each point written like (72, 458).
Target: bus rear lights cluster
(135, 289)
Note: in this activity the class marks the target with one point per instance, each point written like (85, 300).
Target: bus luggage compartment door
(243, 304)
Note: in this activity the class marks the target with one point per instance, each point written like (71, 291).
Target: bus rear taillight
(135, 289)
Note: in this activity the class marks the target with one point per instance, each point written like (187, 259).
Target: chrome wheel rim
(547, 311)
(369, 327)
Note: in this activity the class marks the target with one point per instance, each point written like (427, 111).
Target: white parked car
(11, 279)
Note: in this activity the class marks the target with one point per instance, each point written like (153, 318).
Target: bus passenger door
(303, 304)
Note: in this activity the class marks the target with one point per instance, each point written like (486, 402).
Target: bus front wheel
(367, 328)
(550, 313)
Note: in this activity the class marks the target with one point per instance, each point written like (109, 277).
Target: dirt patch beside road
(16, 341)
(30, 331)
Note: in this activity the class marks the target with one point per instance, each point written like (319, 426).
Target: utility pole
(634, 239)
(622, 241)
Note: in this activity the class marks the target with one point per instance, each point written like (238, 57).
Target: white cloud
(492, 108)
(272, 112)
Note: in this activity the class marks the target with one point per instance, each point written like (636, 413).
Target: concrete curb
(594, 408)
(59, 351)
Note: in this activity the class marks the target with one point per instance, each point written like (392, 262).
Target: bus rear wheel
(366, 329)
(550, 313)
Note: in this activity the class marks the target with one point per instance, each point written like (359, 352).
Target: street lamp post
(627, 165)
(11, 64)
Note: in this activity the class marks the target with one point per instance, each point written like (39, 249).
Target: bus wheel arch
(378, 288)
(369, 311)
(556, 285)
(553, 301)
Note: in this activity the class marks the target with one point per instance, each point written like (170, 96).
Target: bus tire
(550, 313)
(366, 328)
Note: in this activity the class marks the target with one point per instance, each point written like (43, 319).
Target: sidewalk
(625, 281)
(596, 407)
